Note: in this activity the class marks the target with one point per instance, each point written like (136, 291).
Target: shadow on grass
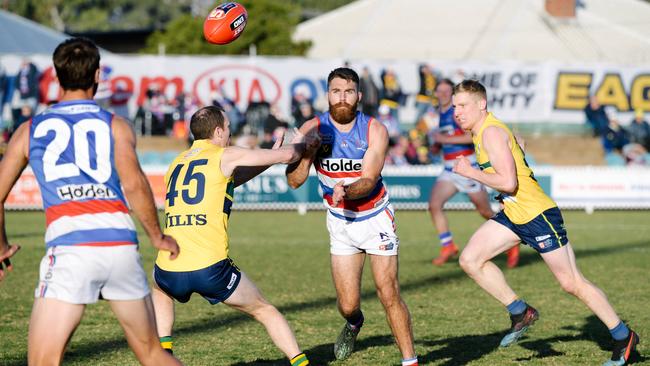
(529, 256)
(460, 350)
(592, 330)
(478, 344)
(324, 354)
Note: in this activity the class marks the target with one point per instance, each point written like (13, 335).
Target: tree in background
(269, 28)
(75, 16)
(178, 24)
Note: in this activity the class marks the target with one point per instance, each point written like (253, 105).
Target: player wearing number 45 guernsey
(529, 216)
(200, 184)
(81, 157)
(359, 214)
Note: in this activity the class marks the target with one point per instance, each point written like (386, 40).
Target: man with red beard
(360, 217)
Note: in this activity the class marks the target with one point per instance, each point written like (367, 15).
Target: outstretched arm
(11, 165)
(442, 138)
(298, 172)
(136, 187)
(372, 164)
(243, 174)
(259, 159)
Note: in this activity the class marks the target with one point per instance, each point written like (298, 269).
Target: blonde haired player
(529, 216)
(200, 185)
(455, 142)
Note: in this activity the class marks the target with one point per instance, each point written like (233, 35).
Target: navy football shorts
(215, 283)
(544, 233)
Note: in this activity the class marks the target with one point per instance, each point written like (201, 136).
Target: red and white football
(225, 23)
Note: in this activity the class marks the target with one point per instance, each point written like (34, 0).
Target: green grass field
(287, 255)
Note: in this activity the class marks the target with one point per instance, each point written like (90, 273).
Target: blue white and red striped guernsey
(449, 127)
(340, 158)
(71, 154)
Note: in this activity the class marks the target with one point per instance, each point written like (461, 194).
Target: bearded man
(360, 217)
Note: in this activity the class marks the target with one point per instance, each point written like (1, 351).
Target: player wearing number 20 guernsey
(87, 184)
(82, 156)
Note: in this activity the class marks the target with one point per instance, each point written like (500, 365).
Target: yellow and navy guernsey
(197, 206)
(529, 200)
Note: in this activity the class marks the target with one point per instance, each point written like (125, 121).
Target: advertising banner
(409, 188)
(517, 92)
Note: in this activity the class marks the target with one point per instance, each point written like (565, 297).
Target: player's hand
(169, 244)
(298, 137)
(463, 167)
(279, 141)
(339, 193)
(312, 141)
(4, 259)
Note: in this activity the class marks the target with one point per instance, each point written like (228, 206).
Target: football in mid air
(225, 23)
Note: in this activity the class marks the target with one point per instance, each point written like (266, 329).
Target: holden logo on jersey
(75, 192)
(341, 165)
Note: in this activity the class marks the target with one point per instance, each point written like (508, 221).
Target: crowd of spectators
(631, 142)
(261, 123)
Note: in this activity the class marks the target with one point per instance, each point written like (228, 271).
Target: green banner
(271, 191)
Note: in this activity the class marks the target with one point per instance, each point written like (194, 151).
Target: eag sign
(612, 88)
(242, 84)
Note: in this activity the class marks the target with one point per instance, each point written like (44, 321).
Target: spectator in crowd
(144, 118)
(391, 93)
(159, 108)
(370, 93)
(104, 91)
(255, 116)
(25, 114)
(425, 97)
(274, 120)
(274, 126)
(635, 154)
(416, 140)
(237, 119)
(423, 157)
(392, 125)
(298, 101)
(639, 130)
(397, 153)
(119, 100)
(615, 136)
(596, 116)
(305, 113)
(27, 92)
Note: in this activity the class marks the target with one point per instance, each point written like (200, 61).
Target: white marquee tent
(616, 31)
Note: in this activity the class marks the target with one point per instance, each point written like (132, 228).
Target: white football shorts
(79, 274)
(375, 235)
(462, 184)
